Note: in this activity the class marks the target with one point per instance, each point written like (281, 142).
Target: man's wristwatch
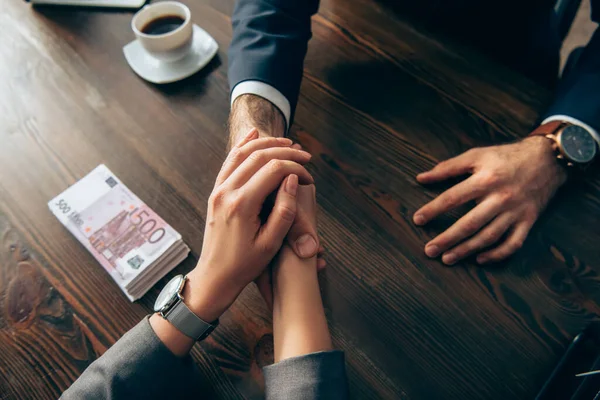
(573, 144)
(171, 307)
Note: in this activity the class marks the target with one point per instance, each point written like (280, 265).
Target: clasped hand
(238, 245)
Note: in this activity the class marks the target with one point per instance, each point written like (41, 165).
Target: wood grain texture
(381, 100)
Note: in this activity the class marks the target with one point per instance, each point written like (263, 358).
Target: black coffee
(162, 25)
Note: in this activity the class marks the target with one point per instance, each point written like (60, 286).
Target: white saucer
(204, 48)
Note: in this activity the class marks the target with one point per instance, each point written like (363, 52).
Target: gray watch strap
(187, 322)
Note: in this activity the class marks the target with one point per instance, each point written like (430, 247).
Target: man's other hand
(511, 184)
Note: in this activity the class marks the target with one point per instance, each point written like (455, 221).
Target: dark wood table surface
(381, 101)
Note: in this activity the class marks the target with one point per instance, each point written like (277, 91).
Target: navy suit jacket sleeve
(578, 93)
(269, 43)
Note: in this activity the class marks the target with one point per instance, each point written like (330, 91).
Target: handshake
(240, 241)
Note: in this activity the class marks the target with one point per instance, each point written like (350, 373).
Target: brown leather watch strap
(549, 128)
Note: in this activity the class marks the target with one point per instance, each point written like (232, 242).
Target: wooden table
(380, 102)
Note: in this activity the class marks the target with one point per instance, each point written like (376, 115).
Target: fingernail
(449, 258)
(252, 133)
(285, 141)
(432, 250)
(291, 185)
(419, 219)
(306, 245)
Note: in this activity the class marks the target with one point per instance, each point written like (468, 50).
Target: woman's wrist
(299, 323)
(288, 260)
(294, 277)
(208, 296)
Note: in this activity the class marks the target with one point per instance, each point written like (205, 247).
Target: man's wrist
(250, 111)
(545, 147)
(541, 141)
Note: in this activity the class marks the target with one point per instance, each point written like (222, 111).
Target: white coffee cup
(170, 46)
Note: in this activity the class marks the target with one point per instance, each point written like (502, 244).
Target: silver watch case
(177, 296)
(177, 312)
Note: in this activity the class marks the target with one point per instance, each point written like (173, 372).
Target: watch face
(578, 144)
(168, 293)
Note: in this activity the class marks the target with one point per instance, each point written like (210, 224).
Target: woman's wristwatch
(171, 307)
(573, 144)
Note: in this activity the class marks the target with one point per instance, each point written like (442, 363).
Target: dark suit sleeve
(319, 375)
(138, 366)
(578, 93)
(269, 43)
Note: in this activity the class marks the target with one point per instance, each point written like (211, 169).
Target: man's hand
(237, 245)
(251, 111)
(512, 184)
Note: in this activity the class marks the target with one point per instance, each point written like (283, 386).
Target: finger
(321, 250)
(466, 226)
(457, 195)
(306, 245)
(456, 166)
(513, 242)
(321, 264)
(247, 146)
(303, 237)
(263, 283)
(297, 146)
(489, 235)
(260, 158)
(269, 178)
(282, 216)
(252, 134)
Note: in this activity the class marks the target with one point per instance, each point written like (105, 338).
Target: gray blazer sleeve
(313, 376)
(138, 366)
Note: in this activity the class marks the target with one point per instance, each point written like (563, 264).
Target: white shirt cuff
(267, 92)
(574, 121)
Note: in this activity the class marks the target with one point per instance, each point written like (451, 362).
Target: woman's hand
(299, 324)
(306, 220)
(237, 245)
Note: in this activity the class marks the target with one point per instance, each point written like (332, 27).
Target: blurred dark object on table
(582, 355)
